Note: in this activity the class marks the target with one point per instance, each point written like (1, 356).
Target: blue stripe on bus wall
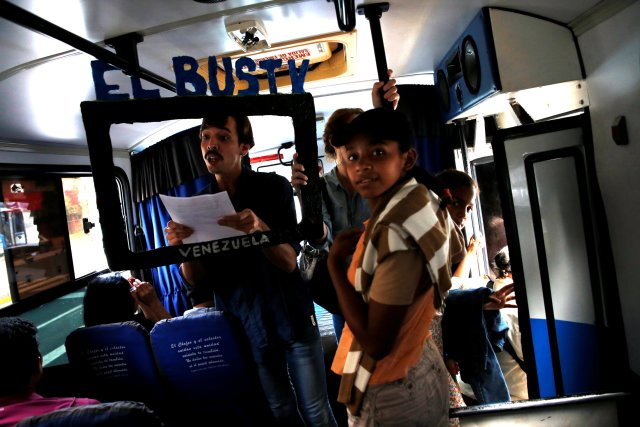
(542, 352)
(579, 357)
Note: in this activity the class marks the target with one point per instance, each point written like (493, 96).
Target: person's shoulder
(331, 177)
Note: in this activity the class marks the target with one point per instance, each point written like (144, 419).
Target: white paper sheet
(201, 213)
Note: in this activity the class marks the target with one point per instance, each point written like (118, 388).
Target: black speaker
(503, 51)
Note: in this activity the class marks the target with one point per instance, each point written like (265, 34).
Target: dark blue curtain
(172, 167)
(153, 218)
(434, 139)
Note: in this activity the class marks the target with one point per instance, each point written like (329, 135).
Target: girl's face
(461, 204)
(374, 166)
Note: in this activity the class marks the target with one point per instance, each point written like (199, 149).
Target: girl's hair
(337, 122)
(502, 262)
(244, 130)
(453, 178)
(108, 299)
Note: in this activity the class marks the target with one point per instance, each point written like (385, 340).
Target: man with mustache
(261, 286)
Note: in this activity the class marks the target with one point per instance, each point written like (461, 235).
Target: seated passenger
(22, 370)
(110, 298)
(473, 330)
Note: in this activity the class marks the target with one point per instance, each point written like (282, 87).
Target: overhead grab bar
(33, 22)
(373, 12)
(346, 14)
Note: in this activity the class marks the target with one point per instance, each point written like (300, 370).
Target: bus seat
(115, 362)
(111, 414)
(205, 360)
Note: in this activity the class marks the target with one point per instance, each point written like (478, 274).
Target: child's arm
(351, 304)
(465, 265)
(375, 325)
(147, 299)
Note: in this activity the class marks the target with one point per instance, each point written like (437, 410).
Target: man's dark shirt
(273, 306)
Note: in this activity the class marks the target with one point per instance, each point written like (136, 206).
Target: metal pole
(35, 23)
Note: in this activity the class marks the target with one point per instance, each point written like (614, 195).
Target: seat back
(112, 414)
(115, 362)
(203, 356)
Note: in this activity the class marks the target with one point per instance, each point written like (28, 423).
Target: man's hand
(176, 232)
(390, 92)
(246, 221)
(282, 256)
(500, 299)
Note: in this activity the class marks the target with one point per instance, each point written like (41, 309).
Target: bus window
(34, 231)
(50, 232)
(85, 234)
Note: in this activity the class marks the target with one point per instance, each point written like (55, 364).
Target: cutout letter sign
(186, 72)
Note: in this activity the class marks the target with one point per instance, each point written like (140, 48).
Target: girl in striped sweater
(392, 373)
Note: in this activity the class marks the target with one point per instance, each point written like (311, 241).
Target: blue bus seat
(206, 362)
(115, 362)
(202, 355)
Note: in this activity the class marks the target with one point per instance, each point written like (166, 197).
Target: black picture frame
(98, 116)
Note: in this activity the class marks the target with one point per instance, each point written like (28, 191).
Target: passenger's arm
(501, 298)
(147, 299)
(390, 92)
(465, 265)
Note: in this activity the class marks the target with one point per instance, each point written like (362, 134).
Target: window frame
(36, 171)
(99, 116)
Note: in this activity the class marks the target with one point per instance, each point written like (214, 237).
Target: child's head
(20, 355)
(336, 123)
(463, 190)
(502, 263)
(379, 151)
(108, 299)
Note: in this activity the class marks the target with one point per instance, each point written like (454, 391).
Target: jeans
(489, 385)
(305, 375)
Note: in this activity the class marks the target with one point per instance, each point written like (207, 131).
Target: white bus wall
(39, 154)
(611, 55)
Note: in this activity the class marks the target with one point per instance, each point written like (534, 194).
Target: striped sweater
(410, 216)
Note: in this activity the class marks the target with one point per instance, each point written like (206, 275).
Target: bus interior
(101, 108)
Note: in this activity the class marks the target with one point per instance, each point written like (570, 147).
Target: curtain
(434, 139)
(167, 164)
(173, 167)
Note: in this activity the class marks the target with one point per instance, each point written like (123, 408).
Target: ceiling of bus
(43, 81)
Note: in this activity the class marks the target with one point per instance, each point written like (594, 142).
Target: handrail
(33, 22)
